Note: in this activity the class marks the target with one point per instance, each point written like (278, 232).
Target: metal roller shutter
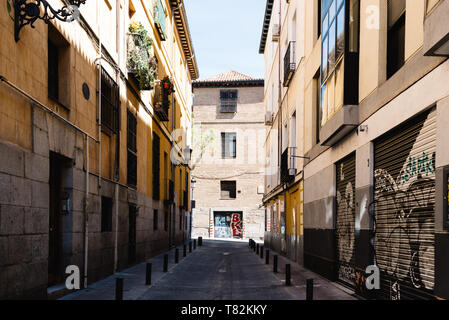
(345, 230)
(404, 199)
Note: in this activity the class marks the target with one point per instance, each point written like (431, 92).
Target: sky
(226, 35)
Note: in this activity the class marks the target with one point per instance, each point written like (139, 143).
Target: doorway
(228, 225)
(60, 205)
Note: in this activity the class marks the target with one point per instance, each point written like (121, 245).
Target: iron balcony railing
(161, 103)
(289, 63)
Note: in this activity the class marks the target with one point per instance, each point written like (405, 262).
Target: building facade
(95, 117)
(228, 133)
(373, 105)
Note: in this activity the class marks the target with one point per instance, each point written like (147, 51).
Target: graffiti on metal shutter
(236, 225)
(404, 209)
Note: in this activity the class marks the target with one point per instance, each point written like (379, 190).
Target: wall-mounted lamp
(26, 12)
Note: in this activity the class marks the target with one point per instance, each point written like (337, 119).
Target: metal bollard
(261, 252)
(267, 257)
(190, 246)
(257, 249)
(194, 244)
(176, 255)
(309, 290)
(148, 277)
(200, 241)
(119, 289)
(275, 264)
(184, 251)
(249, 243)
(166, 263)
(287, 275)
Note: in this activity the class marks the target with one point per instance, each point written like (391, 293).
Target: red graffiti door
(237, 225)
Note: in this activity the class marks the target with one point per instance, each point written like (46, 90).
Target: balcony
(170, 193)
(436, 30)
(161, 103)
(339, 125)
(142, 67)
(159, 19)
(289, 63)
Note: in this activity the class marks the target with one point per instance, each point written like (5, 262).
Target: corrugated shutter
(404, 199)
(345, 226)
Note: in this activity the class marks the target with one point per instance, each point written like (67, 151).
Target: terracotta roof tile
(230, 75)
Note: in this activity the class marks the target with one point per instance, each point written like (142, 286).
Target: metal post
(166, 263)
(257, 249)
(261, 252)
(176, 255)
(275, 264)
(184, 251)
(287, 275)
(119, 289)
(190, 247)
(249, 243)
(194, 244)
(148, 277)
(267, 257)
(200, 241)
(309, 290)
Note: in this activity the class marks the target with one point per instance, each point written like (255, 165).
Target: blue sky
(226, 35)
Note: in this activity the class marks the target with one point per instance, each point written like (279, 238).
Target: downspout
(280, 94)
(86, 214)
(117, 152)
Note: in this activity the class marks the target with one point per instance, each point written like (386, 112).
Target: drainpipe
(280, 92)
(86, 214)
(117, 152)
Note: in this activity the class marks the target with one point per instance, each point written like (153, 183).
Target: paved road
(218, 270)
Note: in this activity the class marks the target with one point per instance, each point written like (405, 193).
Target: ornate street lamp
(26, 12)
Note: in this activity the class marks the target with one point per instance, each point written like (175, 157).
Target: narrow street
(218, 270)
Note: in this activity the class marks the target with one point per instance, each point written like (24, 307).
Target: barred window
(109, 102)
(228, 101)
(228, 189)
(132, 149)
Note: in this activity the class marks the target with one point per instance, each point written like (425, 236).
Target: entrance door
(132, 234)
(59, 166)
(228, 225)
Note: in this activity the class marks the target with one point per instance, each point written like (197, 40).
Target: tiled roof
(230, 75)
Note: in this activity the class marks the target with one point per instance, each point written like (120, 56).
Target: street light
(192, 205)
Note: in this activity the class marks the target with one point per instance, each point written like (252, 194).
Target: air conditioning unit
(269, 118)
(276, 33)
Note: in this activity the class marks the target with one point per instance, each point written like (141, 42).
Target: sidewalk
(324, 289)
(134, 278)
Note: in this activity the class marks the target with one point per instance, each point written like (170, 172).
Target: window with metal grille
(53, 71)
(156, 167)
(228, 189)
(132, 149)
(109, 102)
(106, 214)
(228, 101)
(155, 219)
(228, 145)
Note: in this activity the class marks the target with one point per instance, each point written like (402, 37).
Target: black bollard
(287, 275)
(200, 241)
(261, 252)
(249, 243)
(184, 251)
(166, 263)
(176, 255)
(309, 290)
(194, 244)
(148, 277)
(257, 249)
(275, 264)
(119, 289)
(190, 246)
(267, 257)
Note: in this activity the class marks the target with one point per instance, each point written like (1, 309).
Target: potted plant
(141, 63)
(167, 86)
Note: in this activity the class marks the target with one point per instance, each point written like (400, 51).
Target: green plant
(141, 60)
(166, 84)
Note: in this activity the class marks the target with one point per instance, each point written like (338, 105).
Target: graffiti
(222, 227)
(346, 232)
(404, 198)
(418, 166)
(236, 225)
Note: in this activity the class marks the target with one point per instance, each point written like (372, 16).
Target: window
(106, 214)
(228, 145)
(156, 167)
(319, 19)
(317, 108)
(58, 67)
(339, 57)
(132, 149)
(155, 219)
(396, 36)
(109, 103)
(228, 101)
(228, 189)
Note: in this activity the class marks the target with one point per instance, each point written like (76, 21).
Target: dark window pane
(106, 214)
(155, 220)
(109, 102)
(340, 33)
(332, 41)
(53, 71)
(156, 167)
(228, 189)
